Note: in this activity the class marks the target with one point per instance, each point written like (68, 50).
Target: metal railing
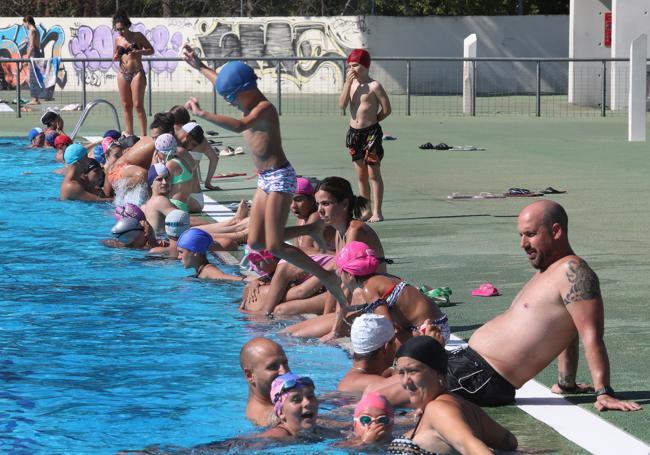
(87, 110)
(416, 85)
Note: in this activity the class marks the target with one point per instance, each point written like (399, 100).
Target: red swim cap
(361, 56)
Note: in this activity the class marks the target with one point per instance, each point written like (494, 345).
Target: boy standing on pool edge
(260, 126)
(369, 105)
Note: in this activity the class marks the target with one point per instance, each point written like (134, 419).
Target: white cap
(177, 222)
(370, 332)
(189, 126)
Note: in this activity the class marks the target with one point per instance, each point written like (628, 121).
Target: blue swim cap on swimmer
(114, 134)
(98, 151)
(33, 133)
(74, 153)
(195, 240)
(235, 77)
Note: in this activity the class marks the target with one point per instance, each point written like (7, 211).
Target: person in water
(193, 246)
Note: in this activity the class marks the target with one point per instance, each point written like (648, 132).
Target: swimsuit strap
(185, 176)
(394, 293)
(371, 307)
(417, 425)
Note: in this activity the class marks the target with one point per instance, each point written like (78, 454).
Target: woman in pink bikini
(131, 78)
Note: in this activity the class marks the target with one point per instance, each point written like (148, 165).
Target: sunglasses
(291, 384)
(366, 420)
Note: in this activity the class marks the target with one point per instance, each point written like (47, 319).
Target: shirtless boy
(193, 246)
(369, 105)
(260, 126)
(560, 303)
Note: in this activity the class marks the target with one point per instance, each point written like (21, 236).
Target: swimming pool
(102, 351)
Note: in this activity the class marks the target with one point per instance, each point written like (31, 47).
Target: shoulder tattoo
(584, 282)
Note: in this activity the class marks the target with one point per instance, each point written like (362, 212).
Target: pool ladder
(87, 110)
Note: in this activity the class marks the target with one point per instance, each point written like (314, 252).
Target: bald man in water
(262, 360)
(560, 303)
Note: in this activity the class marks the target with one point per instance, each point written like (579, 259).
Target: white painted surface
(586, 34)
(469, 51)
(636, 129)
(631, 18)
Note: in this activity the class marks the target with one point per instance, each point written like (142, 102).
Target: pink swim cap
(106, 143)
(373, 400)
(304, 186)
(357, 258)
(255, 257)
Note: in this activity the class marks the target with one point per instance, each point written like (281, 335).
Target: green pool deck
(463, 243)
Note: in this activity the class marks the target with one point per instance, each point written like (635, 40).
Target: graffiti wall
(213, 38)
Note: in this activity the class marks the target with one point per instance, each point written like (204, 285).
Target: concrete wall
(586, 33)
(498, 36)
(251, 38)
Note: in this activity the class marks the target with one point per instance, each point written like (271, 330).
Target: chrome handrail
(86, 111)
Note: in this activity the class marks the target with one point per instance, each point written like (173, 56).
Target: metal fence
(541, 87)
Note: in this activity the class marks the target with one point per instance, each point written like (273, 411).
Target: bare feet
(375, 219)
(242, 211)
(33, 103)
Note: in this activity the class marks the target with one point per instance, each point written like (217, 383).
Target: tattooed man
(559, 303)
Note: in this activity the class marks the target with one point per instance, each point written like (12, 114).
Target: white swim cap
(177, 222)
(370, 332)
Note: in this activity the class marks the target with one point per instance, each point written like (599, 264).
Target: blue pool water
(102, 351)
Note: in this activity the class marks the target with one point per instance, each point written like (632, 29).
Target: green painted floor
(461, 244)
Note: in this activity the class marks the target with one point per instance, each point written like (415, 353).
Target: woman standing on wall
(131, 78)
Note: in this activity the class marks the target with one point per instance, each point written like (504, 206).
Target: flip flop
(521, 192)
(212, 133)
(427, 146)
(460, 196)
(228, 151)
(486, 290)
(388, 137)
(488, 195)
(442, 146)
(230, 174)
(440, 295)
(239, 151)
(551, 190)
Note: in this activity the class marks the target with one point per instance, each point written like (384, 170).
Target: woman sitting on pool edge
(447, 422)
(386, 294)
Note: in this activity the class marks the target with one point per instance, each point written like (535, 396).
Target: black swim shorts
(366, 144)
(471, 377)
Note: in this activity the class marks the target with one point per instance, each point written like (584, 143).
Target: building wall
(250, 38)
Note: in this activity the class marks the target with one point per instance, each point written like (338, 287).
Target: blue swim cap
(235, 77)
(112, 134)
(74, 153)
(98, 151)
(195, 240)
(33, 133)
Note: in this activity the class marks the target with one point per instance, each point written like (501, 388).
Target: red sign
(607, 41)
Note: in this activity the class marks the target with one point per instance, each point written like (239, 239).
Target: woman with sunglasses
(295, 405)
(447, 422)
(131, 78)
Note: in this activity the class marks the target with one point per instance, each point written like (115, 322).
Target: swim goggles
(303, 381)
(119, 234)
(366, 420)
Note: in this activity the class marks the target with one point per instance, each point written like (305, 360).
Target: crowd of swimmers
(335, 267)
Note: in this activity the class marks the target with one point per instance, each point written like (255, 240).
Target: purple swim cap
(128, 210)
(51, 137)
